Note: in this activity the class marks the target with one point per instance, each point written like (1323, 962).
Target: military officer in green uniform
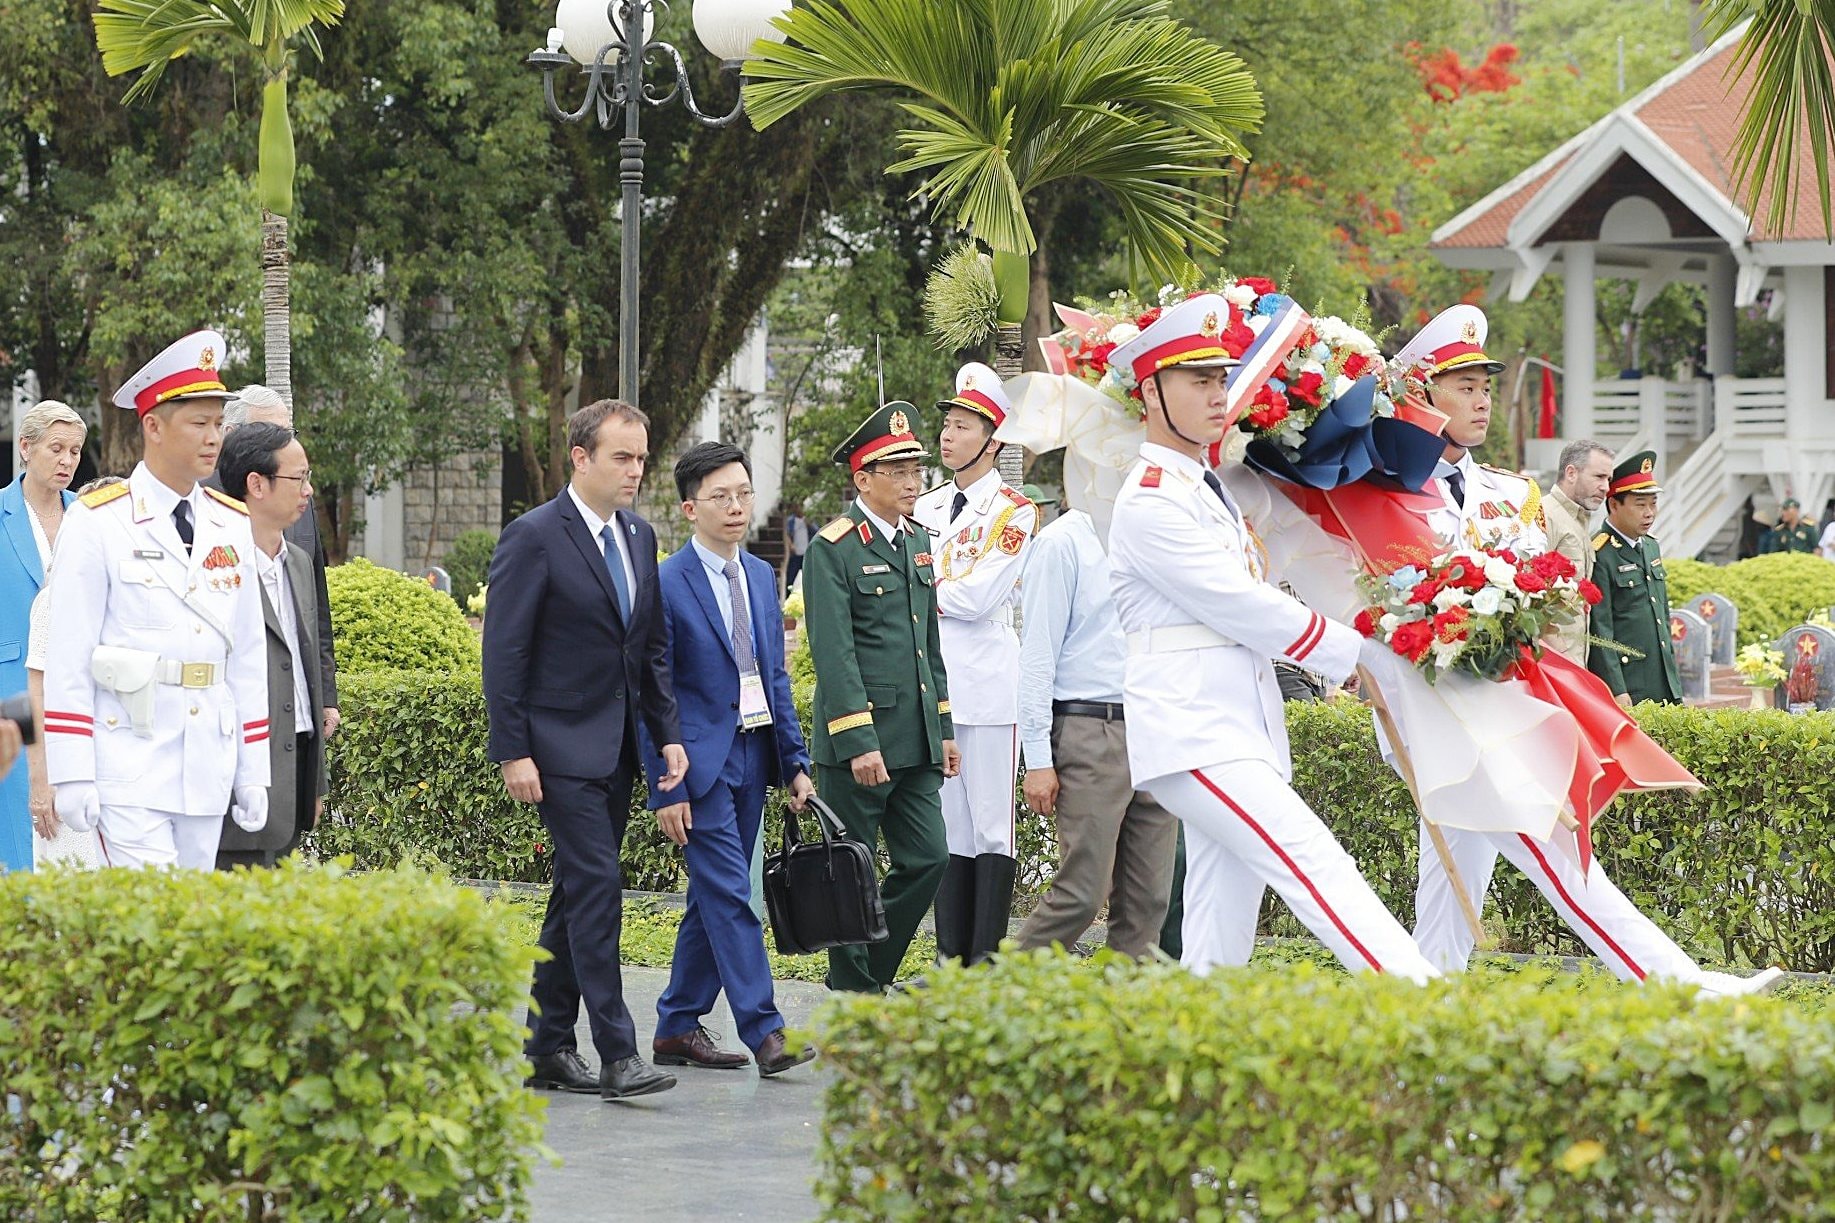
(1793, 533)
(883, 739)
(1634, 604)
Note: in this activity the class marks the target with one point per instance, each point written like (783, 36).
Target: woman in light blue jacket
(31, 511)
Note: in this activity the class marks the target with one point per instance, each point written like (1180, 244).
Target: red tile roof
(1696, 116)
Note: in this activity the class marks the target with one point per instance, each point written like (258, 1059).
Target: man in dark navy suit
(575, 652)
(726, 656)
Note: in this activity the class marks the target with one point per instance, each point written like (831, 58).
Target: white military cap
(187, 369)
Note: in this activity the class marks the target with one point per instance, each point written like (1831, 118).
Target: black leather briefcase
(822, 894)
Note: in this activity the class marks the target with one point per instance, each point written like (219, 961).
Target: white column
(1723, 273)
(1805, 354)
(1579, 355)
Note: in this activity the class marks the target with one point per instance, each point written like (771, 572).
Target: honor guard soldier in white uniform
(981, 529)
(1206, 731)
(1487, 507)
(156, 692)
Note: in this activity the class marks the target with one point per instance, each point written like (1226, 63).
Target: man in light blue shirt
(1115, 843)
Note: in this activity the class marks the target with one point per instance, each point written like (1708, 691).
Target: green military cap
(1791, 503)
(1635, 474)
(883, 436)
(1037, 495)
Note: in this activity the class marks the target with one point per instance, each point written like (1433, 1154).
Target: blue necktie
(614, 565)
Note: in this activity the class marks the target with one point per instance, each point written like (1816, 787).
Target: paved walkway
(722, 1145)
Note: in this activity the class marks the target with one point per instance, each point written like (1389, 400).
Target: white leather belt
(1172, 638)
(188, 674)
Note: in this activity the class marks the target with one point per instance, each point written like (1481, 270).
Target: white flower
(1446, 653)
(1240, 296)
(1121, 333)
(1170, 295)
(1258, 324)
(1341, 386)
(1451, 596)
(1390, 622)
(1487, 602)
(1498, 571)
(1313, 367)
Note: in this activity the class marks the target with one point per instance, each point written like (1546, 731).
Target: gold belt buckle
(198, 674)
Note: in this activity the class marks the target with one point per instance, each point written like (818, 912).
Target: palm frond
(1005, 92)
(1790, 47)
(147, 35)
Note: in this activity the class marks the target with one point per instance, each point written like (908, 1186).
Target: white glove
(249, 808)
(78, 804)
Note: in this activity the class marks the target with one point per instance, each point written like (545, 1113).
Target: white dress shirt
(1071, 644)
(596, 525)
(279, 591)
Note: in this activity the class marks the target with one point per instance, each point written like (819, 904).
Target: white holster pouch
(131, 675)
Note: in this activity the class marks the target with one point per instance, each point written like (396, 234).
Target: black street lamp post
(612, 43)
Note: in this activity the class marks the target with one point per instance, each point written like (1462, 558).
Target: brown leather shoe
(696, 1048)
(774, 1056)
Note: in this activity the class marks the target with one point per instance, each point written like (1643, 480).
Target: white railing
(1615, 410)
(1697, 499)
(1750, 407)
(1687, 410)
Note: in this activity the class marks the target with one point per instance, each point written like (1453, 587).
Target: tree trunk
(1009, 356)
(276, 315)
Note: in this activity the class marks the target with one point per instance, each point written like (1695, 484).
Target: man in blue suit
(574, 653)
(726, 654)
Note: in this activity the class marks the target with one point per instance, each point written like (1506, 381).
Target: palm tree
(147, 35)
(1791, 44)
(1009, 96)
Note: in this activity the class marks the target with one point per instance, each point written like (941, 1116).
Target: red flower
(1365, 623)
(1424, 591)
(1450, 625)
(1467, 577)
(1236, 337)
(1589, 592)
(1270, 409)
(1258, 285)
(1553, 566)
(1355, 365)
(1530, 582)
(1412, 640)
(1308, 387)
(1096, 357)
(1504, 554)
(1147, 318)
(538, 849)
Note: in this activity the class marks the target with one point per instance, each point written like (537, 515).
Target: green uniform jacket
(1801, 538)
(871, 608)
(1633, 610)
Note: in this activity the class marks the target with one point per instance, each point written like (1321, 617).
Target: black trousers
(305, 799)
(585, 818)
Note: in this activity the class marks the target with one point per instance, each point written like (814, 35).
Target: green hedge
(225, 1047)
(1041, 1088)
(383, 619)
(1774, 593)
(1737, 874)
(468, 563)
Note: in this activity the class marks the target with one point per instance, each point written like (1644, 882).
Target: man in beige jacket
(1586, 470)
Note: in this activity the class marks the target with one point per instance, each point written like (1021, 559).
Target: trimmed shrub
(1774, 593)
(1731, 873)
(254, 1046)
(384, 620)
(1041, 1088)
(468, 562)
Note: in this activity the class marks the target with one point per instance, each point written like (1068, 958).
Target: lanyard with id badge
(754, 712)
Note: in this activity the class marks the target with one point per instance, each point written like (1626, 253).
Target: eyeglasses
(304, 477)
(726, 501)
(899, 475)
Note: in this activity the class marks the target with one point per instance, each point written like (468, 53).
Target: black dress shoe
(696, 1047)
(632, 1076)
(774, 1056)
(563, 1070)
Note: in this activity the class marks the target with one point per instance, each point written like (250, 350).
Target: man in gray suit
(262, 405)
(264, 466)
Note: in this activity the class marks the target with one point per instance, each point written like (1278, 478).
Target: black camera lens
(18, 708)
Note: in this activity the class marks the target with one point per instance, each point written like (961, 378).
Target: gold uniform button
(110, 721)
(879, 590)
(869, 707)
(197, 628)
(194, 711)
(923, 688)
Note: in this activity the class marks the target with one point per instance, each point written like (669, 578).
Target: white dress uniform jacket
(980, 555)
(122, 578)
(1492, 516)
(1204, 625)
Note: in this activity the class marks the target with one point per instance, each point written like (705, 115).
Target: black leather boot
(994, 875)
(955, 909)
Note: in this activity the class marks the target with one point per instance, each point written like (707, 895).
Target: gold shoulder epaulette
(1599, 540)
(102, 496)
(226, 499)
(1014, 495)
(837, 530)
